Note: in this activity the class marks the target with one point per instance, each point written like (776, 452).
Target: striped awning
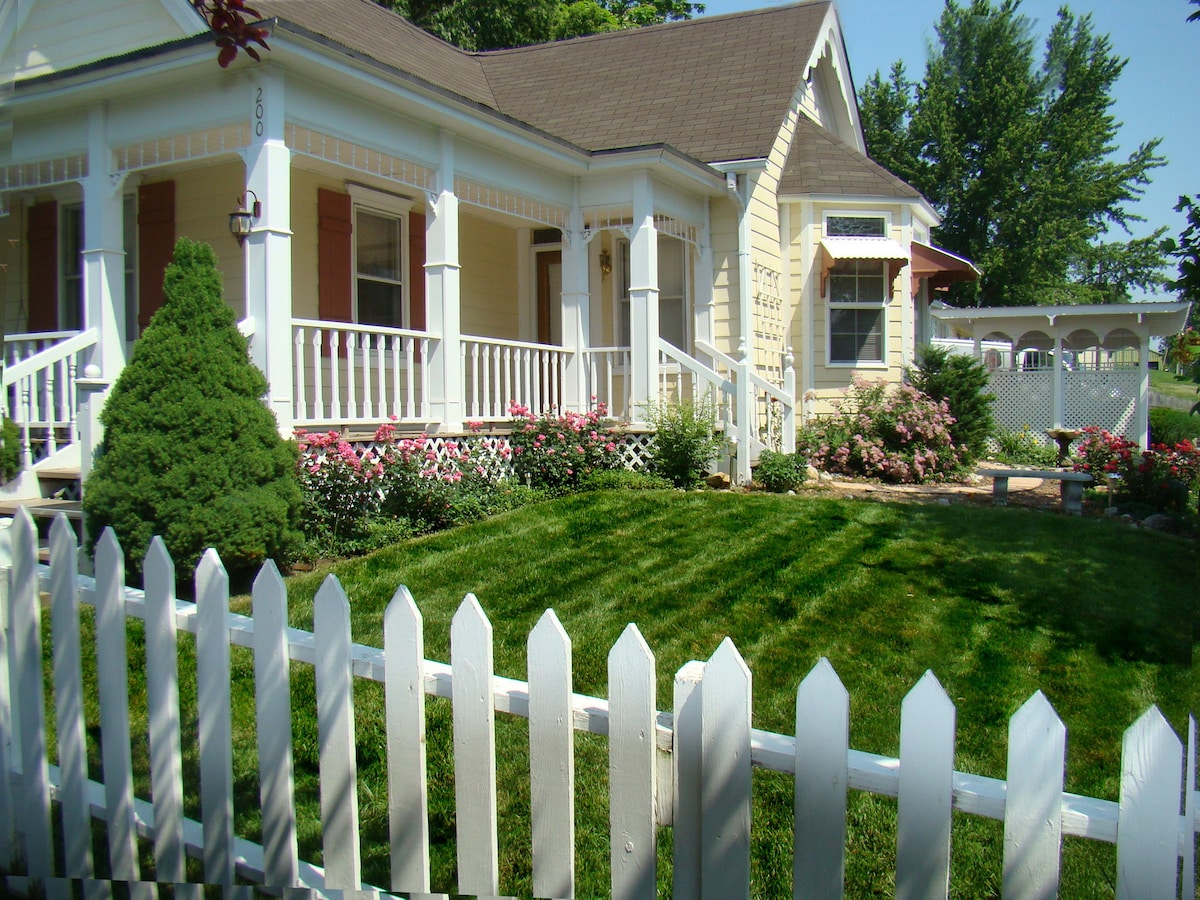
(837, 249)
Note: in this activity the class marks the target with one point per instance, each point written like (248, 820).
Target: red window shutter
(334, 276)
(41, 241)
(416, 271)
(156, 244)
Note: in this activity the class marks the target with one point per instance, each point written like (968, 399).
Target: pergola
(1069, 366)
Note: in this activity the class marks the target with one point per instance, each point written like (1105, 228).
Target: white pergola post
(643, 299)
(1142, 431)
(103, 281)
(442, 296)
(1057, 383)
(576, 312)
(268, 248)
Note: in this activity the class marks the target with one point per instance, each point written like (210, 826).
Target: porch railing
(359, 374)
(498, 372)
(38, 389)
(771, 409)
(606, 378)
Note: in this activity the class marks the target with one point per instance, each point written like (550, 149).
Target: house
(432, 234)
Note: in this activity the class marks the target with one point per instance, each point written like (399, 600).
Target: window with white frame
(857, 295)
(673, 292)
(855, 226)
(71, 267)
(379, 268)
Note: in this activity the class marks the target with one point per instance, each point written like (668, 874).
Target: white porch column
(442, 298)
(643, 299)
(268, 249)
(103, 280)
(576, 312)
(702, 278)
(1057, 383)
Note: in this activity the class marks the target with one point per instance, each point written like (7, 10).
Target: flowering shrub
(685, 439)
(1162, 476)
(558, 451)
(895, 434)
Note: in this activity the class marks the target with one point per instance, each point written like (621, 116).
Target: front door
(549, 297)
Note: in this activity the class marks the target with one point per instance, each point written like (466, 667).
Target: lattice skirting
(1105, 399)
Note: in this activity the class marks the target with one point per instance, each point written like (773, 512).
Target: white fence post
(1188, 888)
(631, 768)
(273, 707)
(474, 717)
(335, 727)
(8, 810)
(112, 672)
(162, 702)
(725, 788)
(1037, 744)
(215, 732)
(687, 770)
(408, 809)
(1148, 827)
(68, 702)
(551, 758)
(925, 792)
(822, 744)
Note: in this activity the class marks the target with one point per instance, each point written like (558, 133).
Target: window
(857, 300)
(379, 268)
(71, 267)
(855, 226)
(672, 293)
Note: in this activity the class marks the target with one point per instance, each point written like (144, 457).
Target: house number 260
(258, 112)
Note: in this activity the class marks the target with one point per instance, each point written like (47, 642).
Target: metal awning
(941, 267)
(836, 249)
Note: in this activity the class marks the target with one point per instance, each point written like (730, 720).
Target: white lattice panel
(1022, 399)
(1107, 399)
(770, 330)
(181, 147)
(332, 149)
(477, 194)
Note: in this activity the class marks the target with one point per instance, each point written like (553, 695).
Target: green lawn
(997, 602)
(1173, 385)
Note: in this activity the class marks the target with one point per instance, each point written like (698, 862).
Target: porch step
(59, 482)
(46, 508)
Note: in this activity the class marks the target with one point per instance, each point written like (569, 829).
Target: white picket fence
(691, 769)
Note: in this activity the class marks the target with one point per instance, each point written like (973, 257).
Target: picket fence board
(474, 720)
(725, 788)
(1188, 837)
(404, 700)
(632, 767)
(335, 727)
(162, 701)
(8, 810)
(1037, 746)
(822, 741)
(1148, 832)
(687, 771)
(215, 718)
(68, 701)
(926, 785)
(112, 673)
(273, 706)
(551, 758)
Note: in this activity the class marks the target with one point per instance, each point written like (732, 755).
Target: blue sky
(1158, 94)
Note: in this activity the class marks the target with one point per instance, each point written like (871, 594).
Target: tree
(1017, 156)
(190, 452)
(497, 24)
(230, 23)
(1186, 251)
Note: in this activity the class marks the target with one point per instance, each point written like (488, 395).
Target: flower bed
(1162, 476)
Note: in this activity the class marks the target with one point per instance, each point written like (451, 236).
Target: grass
(1173, 385)
(999, 603)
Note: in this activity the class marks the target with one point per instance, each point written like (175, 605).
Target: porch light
(605, 262)
(242, 220)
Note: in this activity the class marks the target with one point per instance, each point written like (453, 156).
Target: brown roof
(715, 88)
(821, 163)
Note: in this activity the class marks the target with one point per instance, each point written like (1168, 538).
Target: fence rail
(690, 769)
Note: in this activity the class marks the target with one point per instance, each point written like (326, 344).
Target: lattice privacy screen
(1107, 399)
(1022, 399)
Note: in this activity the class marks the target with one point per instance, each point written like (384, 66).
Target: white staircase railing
(39, 391)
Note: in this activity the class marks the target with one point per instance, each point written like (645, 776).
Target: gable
(41, 37)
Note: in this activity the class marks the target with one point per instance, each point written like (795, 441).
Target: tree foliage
(1186, 252)
(190, 452)
(1017, 156)
(497, 24)
(230, 23)
(962, 381)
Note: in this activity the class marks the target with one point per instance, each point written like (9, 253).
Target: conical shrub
(190, 452)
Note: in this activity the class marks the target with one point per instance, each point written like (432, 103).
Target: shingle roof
(820, 163)
(715, 88)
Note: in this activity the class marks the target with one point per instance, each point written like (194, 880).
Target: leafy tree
(1186, 251)
(190, 452)
(496, 24)
(1017, 156)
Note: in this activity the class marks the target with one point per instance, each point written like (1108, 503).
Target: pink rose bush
(558, 451)
(1162, 476)
(893, 433)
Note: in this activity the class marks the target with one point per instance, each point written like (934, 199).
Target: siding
(490, 297)
(203, 199)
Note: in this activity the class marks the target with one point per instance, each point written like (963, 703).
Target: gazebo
(1066, 367)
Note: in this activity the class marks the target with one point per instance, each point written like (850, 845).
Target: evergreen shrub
(10, 450)
(961, 381)
(190, 451)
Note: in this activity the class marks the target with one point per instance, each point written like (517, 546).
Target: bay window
(857, 304)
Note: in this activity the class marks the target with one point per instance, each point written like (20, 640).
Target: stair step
(64, 474)
(72, 509)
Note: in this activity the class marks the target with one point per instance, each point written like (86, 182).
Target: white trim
(882, 306)
(382, 201)
(400, 217)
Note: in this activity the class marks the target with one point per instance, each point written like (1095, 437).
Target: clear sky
(1158, 94)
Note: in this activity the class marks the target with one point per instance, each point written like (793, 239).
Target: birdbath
(1063, 437)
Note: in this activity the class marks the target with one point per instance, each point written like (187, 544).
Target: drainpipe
(745, 397)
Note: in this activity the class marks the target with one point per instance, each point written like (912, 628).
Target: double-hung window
(857, 291)
(379, 268)
(71, 267)
(672, 293)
